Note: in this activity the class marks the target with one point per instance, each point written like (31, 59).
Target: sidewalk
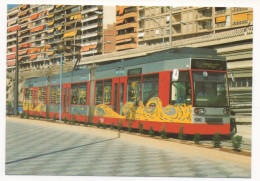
(210, 153)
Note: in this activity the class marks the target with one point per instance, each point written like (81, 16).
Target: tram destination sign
(204, 64)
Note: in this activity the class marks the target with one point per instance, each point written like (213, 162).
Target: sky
(11, 6)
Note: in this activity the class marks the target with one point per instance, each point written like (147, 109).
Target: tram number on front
(198, 120)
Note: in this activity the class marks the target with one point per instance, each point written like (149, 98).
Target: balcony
(89, 43)
(11, 12)
(221, 25)
(58, 17)
(204, 16)
(89, 26)
(205, 28)
(127, 25)
(239, 9)
(88, 35)
(89, 52)
(127, 15)
(127, 35)
(126, 46)
(221, 12)
(89, 18)
(240, 22)
(91, 9)
(11, 39)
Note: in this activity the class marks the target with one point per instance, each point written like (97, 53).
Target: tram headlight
(200, 111)
(226, 111)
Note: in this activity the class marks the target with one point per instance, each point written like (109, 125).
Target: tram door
(119, 94)
(66, 100)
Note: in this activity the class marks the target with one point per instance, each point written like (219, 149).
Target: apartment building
(187, 22)
(55, 30)
(12, 27)
(98, 25)
(126, 27)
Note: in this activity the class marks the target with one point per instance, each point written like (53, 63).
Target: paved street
(34, 149)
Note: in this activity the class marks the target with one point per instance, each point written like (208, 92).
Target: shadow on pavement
(67, 149)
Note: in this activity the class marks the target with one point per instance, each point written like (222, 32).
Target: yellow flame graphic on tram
(153, 111)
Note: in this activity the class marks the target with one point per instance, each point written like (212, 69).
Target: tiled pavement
(43, 150)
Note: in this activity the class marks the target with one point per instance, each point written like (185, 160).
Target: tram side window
(134, 89)
(107, 92)
(55, 94)
(82, 93)
(74, 93)
(28, 94)
(150, 87)
(41, 94)
(181, 89)
(103, 92)
(99, 92)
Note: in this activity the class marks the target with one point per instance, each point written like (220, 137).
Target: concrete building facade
(126, 27)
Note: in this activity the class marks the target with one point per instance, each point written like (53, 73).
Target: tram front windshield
(210, 89)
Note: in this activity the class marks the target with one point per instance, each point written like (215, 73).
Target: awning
(57, 6)
(25, 45)
(70, 34)
(11, 56)
(221, 19)
(78, 16)
(24, 7)
(33, 50)
(10, 63)
(34, 16)
(51, 53)
(33, 57)
(25, 19)
(50, 30)
(84, 49)
(50, 23)
(121, 11)
(22, 52)
(242, 17)
(45, 48)
(87, 48)
(15, 28)
(60, 27)
(50, 16)
(39, 28)
(23, 13)
(13, 49)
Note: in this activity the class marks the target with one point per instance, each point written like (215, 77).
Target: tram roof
(174, 53)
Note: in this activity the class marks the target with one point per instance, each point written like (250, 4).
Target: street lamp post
(142, 18)
(170, 37)
(60, 49)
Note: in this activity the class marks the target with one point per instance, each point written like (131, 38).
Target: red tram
(178, 87)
